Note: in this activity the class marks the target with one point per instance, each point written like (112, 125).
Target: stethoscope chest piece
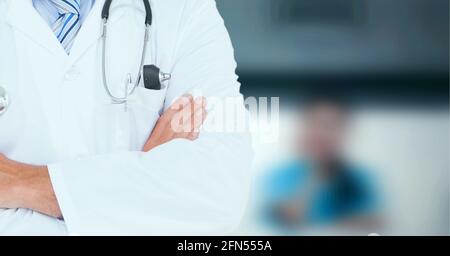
(154, 78)
(4, 101)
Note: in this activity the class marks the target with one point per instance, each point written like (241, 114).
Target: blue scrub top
(350, 193)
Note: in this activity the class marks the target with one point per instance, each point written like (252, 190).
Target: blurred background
(390, 60)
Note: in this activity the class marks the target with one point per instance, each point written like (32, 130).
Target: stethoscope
(4, 100)
(151, 75)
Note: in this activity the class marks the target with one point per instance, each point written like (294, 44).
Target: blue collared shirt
(349, 194)
(50, 14)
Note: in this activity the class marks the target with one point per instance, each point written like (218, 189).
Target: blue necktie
(68, 24)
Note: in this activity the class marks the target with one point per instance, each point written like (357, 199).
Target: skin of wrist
(23, 190)
(37, 192)
(31, 188)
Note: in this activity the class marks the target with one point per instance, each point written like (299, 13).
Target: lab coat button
(72, 74)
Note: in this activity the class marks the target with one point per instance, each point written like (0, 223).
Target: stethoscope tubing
(136, 81)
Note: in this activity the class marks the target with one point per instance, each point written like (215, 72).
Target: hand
(290, 213)
(181, 121)
(26, 186)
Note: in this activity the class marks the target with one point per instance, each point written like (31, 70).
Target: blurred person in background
(321, 186)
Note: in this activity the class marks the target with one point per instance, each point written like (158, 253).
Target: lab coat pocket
(144, 108)
(112, 126)
(148, 99)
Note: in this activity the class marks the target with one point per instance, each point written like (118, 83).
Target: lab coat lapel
(92, 28)
(22, 16)
(90, 31)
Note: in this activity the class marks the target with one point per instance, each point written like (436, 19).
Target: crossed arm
(29, 186)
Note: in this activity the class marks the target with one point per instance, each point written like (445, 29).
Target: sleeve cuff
(65, 202)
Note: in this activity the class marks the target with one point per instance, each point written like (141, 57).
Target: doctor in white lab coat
(72, 163)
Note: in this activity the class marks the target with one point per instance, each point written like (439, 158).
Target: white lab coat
(60, 116)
